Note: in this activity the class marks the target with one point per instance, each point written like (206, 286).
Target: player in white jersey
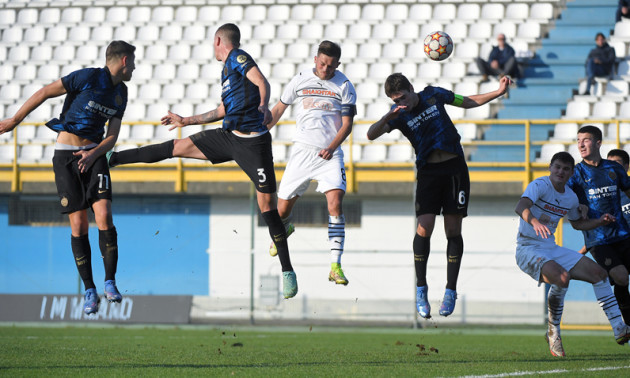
(545, 201)
(326, 103)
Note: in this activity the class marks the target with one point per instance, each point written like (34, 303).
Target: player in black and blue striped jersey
(243, 138)
(598, 184)
(622, 157)
(443, 184)
(94, 97)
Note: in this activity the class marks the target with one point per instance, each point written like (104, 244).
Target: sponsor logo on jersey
(604, 191)
(426, 115)
(626, 208)
(323, 104)
(226, 86)
(555, 210)
(102, 110)
(317, 92)
(431, 101)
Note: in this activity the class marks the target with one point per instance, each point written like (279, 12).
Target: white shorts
(531, 256)
(305, 165)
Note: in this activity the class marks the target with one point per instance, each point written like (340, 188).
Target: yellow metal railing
(183, 172)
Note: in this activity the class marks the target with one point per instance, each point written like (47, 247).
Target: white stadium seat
(577, 110)
(64, 53)
(444, 12)
(349, 13)
(135, 111)
(505, 27)
(311, 32)
(548, 150)
(49, 16)
(156, 111)
(400, 153)
(407, 32)
(188, 72)
(406, 68)
(287, 31)
(171, 33)
(18, 53)
(429, 70)
(373, 13)
(125, 33)
(141, 133)
(203, 52)
(356, 152)
(279, 152)
(49, 152)
(468, 12)
(383, 32)
(325, 12)
(148, 33)
(430, 27)
(299, 52)
(31, 153)
(6, 74)
(48, 72)
(420, 12)
(162, 15)
(335, 32)
(617, 88)
(394, 51)
(150, 91)
(34, 35)
(467, 50)
(88, 54)
(196, 92)
(57, 33)
(79, 33)
(528, 30)
(255, 13)
(377, 109)
(264, 32)
(44, 135)
(117, 15)
(13, 34)
(492, 12)
(542, 12)
(359, 132)
(139, 15)
(25, 73)
(25, 133)
(194, 33)
(360, 31)
(467, 131)
(7, 16)
(186, 14)
(480, 31)
(273, 51)
(357, 71)
(95, 16)
(379, 71)
(283, 71)
(7, 152)
(72, 15)
(604, 110)
(374, 153)
(396, 12)
(285, 132)
(155, 53)
(457, 30)
(232, 13)
(208, 14)
(565, 131)
(370, 51)
(164, 73)
(102, 33)
(172, 91)
(302, 13)
(278, 13)
(71, 67)
(517, 11)
(480, 112)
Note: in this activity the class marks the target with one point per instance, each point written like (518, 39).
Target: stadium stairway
(550, 77)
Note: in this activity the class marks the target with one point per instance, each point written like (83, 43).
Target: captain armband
(458, 101)
(348, 110)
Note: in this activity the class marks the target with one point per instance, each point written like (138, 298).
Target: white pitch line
(541, 372)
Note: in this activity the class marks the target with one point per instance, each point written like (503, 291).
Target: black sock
(108, 242)
(83, 258)
(454, 252)
(421, 248)
(147, 154)
(623, 299)
(279, 236)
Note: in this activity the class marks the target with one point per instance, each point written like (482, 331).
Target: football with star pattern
(438, 45)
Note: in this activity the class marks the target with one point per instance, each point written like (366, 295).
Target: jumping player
(545, 201)
(243, 138)
(443, 182)
(326, 107)
(95, 96)
(598, 184)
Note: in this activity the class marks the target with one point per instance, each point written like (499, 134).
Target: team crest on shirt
(118, 100)
(612, 175)
(431, 101)
(64, 201)
(241, 58)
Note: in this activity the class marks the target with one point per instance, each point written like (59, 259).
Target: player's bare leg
(336, 234)
(267, 202)
(108, 244)
(421, 249)
(83, 258)
(285, 208)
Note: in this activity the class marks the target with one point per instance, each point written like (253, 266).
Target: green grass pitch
(102, 350)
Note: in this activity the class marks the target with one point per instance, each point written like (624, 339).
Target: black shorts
(611, 255)
(78, 191)
(253, 154)
(443, 187)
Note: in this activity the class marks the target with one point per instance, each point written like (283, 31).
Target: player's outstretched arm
(522, 209)
(481, 99)
(277, 112)
(591, 223)
(381, 127)
(54, 89)
(200, 119)
(88, 157)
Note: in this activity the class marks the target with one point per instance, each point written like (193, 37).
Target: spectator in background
(623, 10)
(599, 62)
(501, 62)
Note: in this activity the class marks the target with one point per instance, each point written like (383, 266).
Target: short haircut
(563, 157)
(230, 32)
(396, 83)
(330, 49)
(600, 34)
(118, 49)
(593, 130)
(625, 158)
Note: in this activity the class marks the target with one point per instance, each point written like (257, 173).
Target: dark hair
(230, 32)
(330, 49)
(593, 130)
(563, 157)
(396, 83)
(625, 158)
(600, 34)
(118, 49)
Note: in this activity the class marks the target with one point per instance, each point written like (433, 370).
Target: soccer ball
(438, 45)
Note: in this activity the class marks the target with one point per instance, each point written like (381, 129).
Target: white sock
(608, 303)
(336, 236)
(555, 305)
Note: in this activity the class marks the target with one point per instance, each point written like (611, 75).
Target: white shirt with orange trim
(319, 104)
